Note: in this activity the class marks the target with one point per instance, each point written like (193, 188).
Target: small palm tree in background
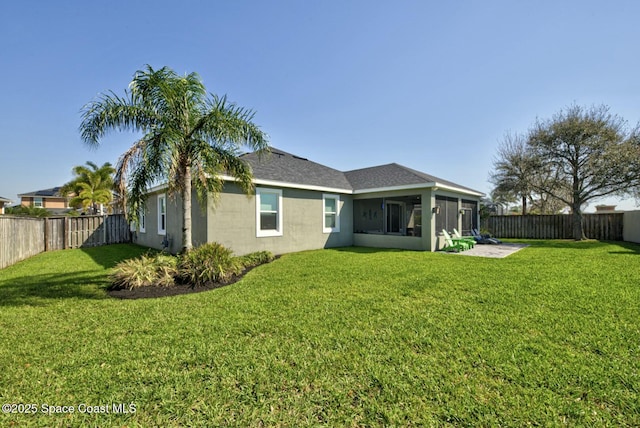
(91, 188)
(189, 138)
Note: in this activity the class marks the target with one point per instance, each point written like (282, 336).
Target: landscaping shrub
(23, 211)
(256, 259)
(166, 269)
(208, 263)
(147, 270)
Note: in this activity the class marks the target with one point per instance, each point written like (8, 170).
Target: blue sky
(431, 85)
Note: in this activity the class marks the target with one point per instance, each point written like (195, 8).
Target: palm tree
(92, 185)
(189, 139)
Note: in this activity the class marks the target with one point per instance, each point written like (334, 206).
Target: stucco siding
(388, 241)
(53, 203)
(150, 237)
(631, 226)
(173, 236)
(232, 222)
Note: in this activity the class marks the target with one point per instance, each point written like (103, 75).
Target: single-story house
(301, 205)
(49, 199)
(3, 202)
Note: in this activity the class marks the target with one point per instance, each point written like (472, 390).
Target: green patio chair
(453, 245)
(469, 239)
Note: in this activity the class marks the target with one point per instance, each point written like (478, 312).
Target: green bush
(23, 211)
(147, 270)
(208, 263)
(256, 259)
(166, 269)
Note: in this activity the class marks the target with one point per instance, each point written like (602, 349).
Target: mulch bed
(159, 291)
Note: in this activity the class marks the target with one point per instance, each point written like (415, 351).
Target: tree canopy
(580, 155)
(190, 138)
(517, 175)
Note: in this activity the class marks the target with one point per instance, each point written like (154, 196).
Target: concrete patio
(493, 251)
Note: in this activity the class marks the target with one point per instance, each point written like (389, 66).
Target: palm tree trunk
(187, 244)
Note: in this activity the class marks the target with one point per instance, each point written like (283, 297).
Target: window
(162, 214)
(331, 213)
(142, 221)
(37, 202)
(268, 212)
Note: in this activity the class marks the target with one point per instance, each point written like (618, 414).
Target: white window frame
(38, 202)
(325, 229)
(278, 230)
(142, 220)
(162, 197)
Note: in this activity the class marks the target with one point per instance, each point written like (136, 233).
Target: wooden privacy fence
(21, 238)
(607, 227)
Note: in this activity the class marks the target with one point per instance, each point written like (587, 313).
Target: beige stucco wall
(54, 203)
(631, 226)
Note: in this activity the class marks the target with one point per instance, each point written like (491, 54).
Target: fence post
(65, 233)
(46, 237)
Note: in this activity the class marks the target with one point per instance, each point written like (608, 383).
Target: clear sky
(431, 85)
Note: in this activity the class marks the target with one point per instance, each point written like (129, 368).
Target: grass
(348, 337)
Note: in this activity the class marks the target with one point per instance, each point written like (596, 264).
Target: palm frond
(110, 112)
(186, 134)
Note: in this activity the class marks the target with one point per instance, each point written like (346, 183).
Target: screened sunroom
(398, 215)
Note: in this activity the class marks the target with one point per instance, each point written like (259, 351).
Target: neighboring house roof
(4, 199)
(280, 166)
(54, 192)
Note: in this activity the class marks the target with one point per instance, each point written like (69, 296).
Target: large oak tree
(588, 153)
(517, 175)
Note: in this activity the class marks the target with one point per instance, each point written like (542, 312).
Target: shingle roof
(285, 167)
(288, 168)
(53, 192)
(395, 175)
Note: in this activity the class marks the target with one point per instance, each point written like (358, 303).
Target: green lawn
(352, 337)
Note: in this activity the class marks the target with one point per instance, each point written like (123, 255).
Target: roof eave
(275, 183)
(431, 185)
